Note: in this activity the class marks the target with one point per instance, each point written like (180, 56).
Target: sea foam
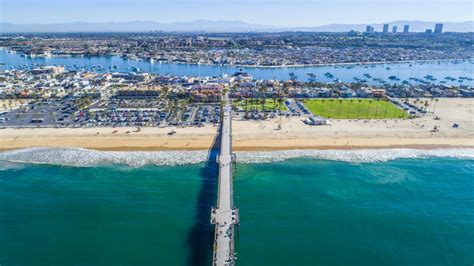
(354, 156)
(87, 158)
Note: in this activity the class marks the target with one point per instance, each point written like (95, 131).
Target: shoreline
(265, 149)
(239, 144)
(283, 133)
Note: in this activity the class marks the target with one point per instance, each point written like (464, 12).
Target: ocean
(368, 207)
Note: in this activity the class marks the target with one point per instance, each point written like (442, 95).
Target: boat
(429, 77)
(329, 75)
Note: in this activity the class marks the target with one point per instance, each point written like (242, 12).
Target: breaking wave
(87, 158)
(354, 156)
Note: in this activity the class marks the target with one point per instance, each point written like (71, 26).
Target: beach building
(317, 121)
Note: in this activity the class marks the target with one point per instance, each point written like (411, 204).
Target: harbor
(441, 72)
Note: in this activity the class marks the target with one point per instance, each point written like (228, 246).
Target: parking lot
(110, 113)
(198, 115)
(43, 113)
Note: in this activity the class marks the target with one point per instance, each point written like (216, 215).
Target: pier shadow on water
(201, 236)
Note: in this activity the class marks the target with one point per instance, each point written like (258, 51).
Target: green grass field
(246, 105)
(354, 109)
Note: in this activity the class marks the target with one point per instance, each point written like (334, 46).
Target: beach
(266, 135)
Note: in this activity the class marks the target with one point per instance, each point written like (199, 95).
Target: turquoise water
(295, 212)
(439, 70)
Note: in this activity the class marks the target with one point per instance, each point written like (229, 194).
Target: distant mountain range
(217, 26)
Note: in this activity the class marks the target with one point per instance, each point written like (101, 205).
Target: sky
(286, 13)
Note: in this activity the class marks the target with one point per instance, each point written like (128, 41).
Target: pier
(225, 215)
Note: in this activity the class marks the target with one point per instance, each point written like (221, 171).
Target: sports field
(354, 108)
(256, 104)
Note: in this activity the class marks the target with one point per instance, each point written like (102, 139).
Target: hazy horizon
(240, 21)
(279, 13)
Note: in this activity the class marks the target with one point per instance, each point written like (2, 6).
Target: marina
(448, 72)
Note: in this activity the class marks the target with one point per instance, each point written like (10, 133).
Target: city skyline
(267, 12)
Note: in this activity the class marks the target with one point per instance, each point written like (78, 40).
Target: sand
(264, 135)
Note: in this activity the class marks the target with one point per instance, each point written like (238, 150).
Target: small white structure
(317, 121)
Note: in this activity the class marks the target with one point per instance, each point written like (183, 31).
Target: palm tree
(386, 108)
(263, 90)
(434, 107)
(368, 108)
(426, 105)
(280, 101)
(322, 105)
(358, 108)
(431, 101)
(330, 108)
(377, 107)
(349, 111)
(340, 107)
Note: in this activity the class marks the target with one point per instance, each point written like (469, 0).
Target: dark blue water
(404, 71)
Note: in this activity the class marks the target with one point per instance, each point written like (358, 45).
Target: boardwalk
(225, 216)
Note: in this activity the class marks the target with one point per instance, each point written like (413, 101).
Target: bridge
(225, 216)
